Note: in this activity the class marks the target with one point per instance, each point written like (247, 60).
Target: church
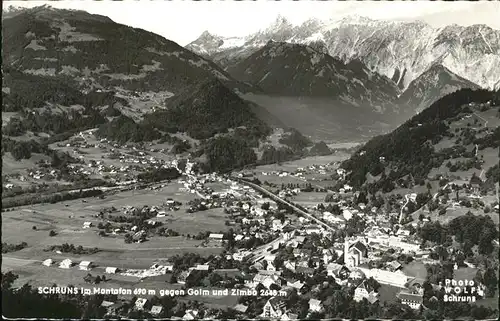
(355, 254)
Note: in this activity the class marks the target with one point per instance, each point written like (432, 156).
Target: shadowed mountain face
(398, 50)
(206, 109)
(296, 70)
(433, 84)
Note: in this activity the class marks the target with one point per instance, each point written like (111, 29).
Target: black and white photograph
(252, 160)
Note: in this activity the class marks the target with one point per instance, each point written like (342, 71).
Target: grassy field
(12, 166)
(309, 199)
(67, 221)
(304, 162)
(416, 269)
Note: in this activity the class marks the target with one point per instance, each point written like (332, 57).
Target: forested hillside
(410, 149)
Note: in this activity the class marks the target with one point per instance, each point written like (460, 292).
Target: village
(273, 245)
(266, 233)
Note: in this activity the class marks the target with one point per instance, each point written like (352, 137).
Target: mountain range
(281, 75)
(99, 53)
(287, 69)
(401, 51)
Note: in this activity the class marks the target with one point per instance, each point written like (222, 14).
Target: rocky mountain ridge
(398, 50)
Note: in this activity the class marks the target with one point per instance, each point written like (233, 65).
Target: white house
(202, 267)
(48, 262)
(190, 315)
(87, 224)
(274, 308)
(315, 305)
(347, 214)
(414, 301)
(66, 264)
(362, 292)
(140, 303)
(216, 237)
(111, 270)
(85, 265)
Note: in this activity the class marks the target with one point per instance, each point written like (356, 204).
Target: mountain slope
(298, 70)
(98, 52)
(399, 50)
(448, 130)
(206, 109)
(433, 84)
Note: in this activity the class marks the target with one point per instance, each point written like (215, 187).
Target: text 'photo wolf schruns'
(213, 160)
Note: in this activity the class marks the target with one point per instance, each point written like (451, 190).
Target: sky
(184, 21)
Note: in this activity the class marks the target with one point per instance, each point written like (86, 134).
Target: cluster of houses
(68, 264)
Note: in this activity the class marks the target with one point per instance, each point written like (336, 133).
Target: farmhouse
(106, 304)
(216, 237)
(156, 309)
(190, 315)
(85, 265)
(202, 267)
(111, 270)
(66, 264)
(315, 305)
(48, 262)
(364, 292)
(87, 224)
(240, 308)
(140, 303)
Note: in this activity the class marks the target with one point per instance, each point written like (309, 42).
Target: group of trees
(295, 140)
(225, 153)
(22, 149)
(207, 109)
(71, 248)
(123, 129)
(7, 248)
(51, 198)
(465, 230)
(159, 174)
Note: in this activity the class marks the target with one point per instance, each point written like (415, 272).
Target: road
(403, 208)
(276, 198)
(485, 121)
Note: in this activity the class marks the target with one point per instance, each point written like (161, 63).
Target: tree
(490, 281)
(52, 233)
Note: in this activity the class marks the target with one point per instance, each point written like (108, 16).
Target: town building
(85, 265)
(354, 254)
(274, 308)
(156, 310)
(140, 303)
(111, 270)
(412, 300)
(315, 305)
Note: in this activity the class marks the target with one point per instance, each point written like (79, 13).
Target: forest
(409, 148)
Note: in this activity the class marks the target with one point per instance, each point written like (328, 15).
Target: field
(415, 269)
(309, 198)
(67, 218)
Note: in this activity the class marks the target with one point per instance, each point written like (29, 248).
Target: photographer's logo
(462, 290)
